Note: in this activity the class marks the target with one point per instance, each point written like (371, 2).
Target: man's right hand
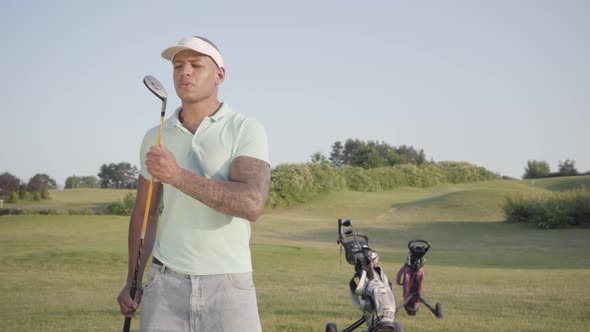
(129, 306)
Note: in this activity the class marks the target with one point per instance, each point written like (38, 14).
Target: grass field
(63, 273)
(71, 199)
(562, 183)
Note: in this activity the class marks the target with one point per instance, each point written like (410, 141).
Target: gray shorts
(178, 302)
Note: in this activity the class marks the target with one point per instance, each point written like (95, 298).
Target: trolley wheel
(397, 327)
(331, 327)
(439, 310)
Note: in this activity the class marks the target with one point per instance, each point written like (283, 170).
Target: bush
(291, 184)
(22, 191)
(123, 207)
(325, 178)
(81, 211)
(12, 198)
(553, 210)
(299, 183)
(45, 193)
(388, 178)
(52, 212)
(37, 196)
(20, 211)
(516, 209)
(359, 179)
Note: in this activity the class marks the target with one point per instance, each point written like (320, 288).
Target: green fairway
(78, 199)
(63, 273)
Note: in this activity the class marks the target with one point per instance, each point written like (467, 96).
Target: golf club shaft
(146, 214)
(127, 324)
(151, 188)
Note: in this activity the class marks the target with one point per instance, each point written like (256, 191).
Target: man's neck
(193, 114)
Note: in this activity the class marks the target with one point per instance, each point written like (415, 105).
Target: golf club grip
(127, 324)
(133, 288)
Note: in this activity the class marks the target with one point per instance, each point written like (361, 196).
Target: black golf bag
(410, 277)
(370, 289)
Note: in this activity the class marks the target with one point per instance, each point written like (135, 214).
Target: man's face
(196, 76)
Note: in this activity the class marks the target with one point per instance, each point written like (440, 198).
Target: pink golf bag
(410, 277)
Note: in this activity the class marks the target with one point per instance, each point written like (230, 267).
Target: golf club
(156, 88)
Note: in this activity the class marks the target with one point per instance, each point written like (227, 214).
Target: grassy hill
(63, 273)
(562, 183)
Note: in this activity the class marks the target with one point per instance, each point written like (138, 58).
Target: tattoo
(244, 195)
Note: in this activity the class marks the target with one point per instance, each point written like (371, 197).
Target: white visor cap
(196, 44)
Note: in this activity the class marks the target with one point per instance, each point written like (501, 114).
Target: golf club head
(155, 87)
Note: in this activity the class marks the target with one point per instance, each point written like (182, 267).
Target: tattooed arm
(244, 195)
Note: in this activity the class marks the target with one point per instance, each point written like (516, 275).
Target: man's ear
(220, 76)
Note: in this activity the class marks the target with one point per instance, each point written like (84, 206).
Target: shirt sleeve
(148, 141)
(252, 141)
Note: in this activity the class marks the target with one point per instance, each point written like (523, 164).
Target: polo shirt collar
(174, 121)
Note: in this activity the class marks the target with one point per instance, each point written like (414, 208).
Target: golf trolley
(371, 291)
(410, 277)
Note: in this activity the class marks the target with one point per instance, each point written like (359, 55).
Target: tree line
(121, 175)
(352, 153)
(370, 154)
(540, 169)
(13, 189)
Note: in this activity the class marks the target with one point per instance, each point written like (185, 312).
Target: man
(213, 175)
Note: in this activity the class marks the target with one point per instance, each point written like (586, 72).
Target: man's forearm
(133, 241)
(233, 198)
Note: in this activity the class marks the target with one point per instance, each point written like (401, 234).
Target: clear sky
(493, 83)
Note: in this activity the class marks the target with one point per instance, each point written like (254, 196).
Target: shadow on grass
(475, 244)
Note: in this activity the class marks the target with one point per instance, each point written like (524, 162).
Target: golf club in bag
(370, 290)
(410, 277)
(156, 88)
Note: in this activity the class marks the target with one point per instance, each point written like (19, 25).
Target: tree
(72, 182)
(22, 191)
(49, 182)
(536, 169)
(75, 181)
(35, 184)
(121, 175)
(318, 158)
(337, 155)
(409, 155)
(380, 153)
(367, 157)
(8, 184)
(390, 157)
(351, 146)
(567, 168)
(89, 181)
(40, 181)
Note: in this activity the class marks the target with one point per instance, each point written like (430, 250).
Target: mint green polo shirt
(194, 238)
